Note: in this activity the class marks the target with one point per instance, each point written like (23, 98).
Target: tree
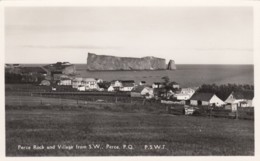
(223, 91)
(166, 79)
(167, 85)
(104, 84)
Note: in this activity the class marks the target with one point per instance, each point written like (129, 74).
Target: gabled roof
(138, 89)
(249, 95)
(77, 79)
(202, 96)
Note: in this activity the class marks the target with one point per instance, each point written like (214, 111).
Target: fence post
(20, 102)
(210, 112)
(237, 114)
(41, 98)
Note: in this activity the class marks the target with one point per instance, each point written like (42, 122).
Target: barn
(206, 99)
(240, 99)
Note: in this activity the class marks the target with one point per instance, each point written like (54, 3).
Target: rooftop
(202, 96)
(248, 94)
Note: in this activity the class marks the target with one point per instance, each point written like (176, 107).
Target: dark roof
(249, 95)
(158, 83)
(156, 90)
(126, 84)
(127, 81)
(202, 96)
(138, 89)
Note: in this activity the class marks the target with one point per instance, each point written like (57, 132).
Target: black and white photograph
(129, 81)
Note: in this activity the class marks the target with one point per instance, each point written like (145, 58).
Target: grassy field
(104, 130)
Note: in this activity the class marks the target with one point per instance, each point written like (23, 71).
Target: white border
(162, 3)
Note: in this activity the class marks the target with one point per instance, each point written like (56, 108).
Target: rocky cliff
(171, 65)
(104, 62)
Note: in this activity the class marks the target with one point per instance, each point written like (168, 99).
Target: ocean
(186, 75)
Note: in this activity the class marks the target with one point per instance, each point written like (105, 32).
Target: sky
(188, 35)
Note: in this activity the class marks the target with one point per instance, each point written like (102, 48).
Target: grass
(122, 124)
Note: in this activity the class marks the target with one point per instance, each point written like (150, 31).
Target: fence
(32, 99)
(206, 111)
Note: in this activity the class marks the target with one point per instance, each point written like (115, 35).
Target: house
(81, 88)
(136, 92)
(127, 86)
(65, 82)
(99, 80)
(90, 83)
(158, 85)
(116, 84)
(184, 94)
(174, 85)
(206, 99)
(240, 99)
(76, 82)
(141, 83)
(147, 92)
(110, 89)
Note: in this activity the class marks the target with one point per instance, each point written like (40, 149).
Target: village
(62, 77)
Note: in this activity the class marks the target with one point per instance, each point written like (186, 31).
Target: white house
(65, 82)
(206, 99)
(121, 85)
(99, 80)
(240, 99)
(142, 91)
(175, 85)
(185, 94)
(76, 82)
(141, 83)
(110, 89)
(116, 85)
(158, 85)
(127, 86)
(88, 83)
(81, 88)
(147, 92)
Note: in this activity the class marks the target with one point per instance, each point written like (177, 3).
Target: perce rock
(105, 62)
